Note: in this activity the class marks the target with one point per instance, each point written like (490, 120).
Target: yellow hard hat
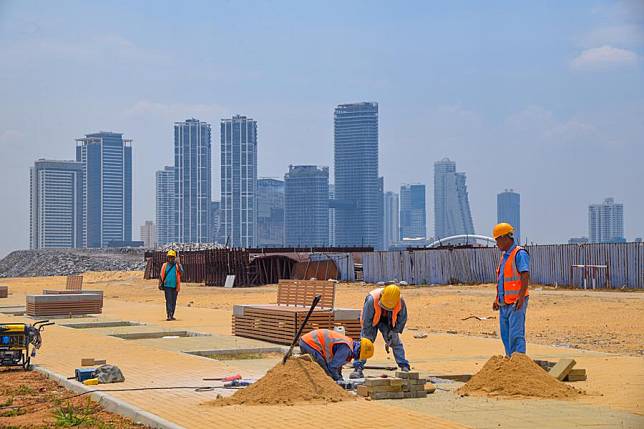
(501, 229)
(366, 348)
(172, 253)
(390, 297)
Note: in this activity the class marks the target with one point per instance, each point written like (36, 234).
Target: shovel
(299, 332)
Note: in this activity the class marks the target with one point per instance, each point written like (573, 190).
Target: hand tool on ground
(228, 378)
(382, 368)
(239, 383)
(315, 302)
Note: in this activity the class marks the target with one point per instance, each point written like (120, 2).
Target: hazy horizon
(544, 98)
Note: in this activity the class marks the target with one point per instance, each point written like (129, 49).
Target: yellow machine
(16, 340)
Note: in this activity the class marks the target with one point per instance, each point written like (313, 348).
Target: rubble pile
(64, 262)
(188, 247)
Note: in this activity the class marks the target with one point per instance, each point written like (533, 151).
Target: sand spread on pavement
(517, 376)
(297, 381)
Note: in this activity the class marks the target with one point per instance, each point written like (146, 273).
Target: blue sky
(544, 97)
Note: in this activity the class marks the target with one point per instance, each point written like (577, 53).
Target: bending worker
(385, 311)
(331, 350)
(513, 276)
(170, 282)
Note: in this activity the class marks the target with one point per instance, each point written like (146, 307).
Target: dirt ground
(606, 321)
(30, 400)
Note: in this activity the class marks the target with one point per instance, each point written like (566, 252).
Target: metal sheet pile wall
(550, 265)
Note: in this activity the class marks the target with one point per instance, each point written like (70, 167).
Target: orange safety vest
(377, 309)
(163, 274)
(511, 277)
(323, 341)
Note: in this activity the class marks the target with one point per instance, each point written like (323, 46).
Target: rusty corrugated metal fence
(550, 264)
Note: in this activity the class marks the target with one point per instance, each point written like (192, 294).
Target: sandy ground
(591, 320)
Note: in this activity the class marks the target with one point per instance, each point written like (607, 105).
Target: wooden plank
(562, 368)
(571, 377)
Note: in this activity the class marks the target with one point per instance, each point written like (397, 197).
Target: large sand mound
(517, 376)
(299, 380)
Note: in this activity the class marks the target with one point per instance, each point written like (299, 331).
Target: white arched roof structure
(459, 239)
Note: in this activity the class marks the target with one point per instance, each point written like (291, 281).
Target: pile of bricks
(405, 385)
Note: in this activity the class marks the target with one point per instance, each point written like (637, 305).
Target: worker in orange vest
(170, 282)
(385, 311)
(331, 350)
(512, 279)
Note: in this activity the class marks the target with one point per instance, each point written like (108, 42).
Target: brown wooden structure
(4, 291)
(74, 283)
(278, 323)
(64, 304)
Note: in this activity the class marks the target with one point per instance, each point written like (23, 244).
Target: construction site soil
(561, 317)
(517, 377)
(297, 381)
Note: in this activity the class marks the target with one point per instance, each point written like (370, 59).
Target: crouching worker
(385, 311)
(331, 350)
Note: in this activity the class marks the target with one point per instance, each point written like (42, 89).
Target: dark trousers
(170, 300)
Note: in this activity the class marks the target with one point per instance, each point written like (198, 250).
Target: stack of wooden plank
(4, 291)
(278, 323)
(68, 292)
(74, 283)
(404, 386)
(64, 304)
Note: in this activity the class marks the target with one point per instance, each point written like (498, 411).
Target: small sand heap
(299, 380)
(517, 376)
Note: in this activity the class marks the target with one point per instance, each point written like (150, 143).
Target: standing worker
(513, 277)
(331, 350)
(385, 311)
(170, 282)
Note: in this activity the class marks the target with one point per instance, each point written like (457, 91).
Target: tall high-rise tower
(452, 215)
(392, 220)
(358, 197)
(270, 213)
(166, 206)
(508, 209)
(606, 222)
(307, 206)
(56, 204)
(192, 154)
(239, 181)
(413, 215)
(107, 204)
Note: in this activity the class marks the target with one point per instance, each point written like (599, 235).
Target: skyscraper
(413, 216)
(215, 222)
(307, 206)
(270, 213)
(166, 205)
(239, 181)
(452, 215)
(331, 215)
(392, 220)
(508, 209)
(192, 154)
(107, 205)
(56, 204)
(358, 197)
(606, 222)
(148, 234)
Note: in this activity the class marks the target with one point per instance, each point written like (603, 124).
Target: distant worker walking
(331, 350)
(170, 282)
(385, 311)
(513, 277)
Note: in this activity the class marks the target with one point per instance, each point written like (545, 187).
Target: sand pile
(516, 376)
(299, 380)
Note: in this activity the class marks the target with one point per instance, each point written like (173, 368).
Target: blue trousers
(391, 337)
(512, 327)
(170, 300)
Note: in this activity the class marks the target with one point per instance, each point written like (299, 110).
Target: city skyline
(470, 94)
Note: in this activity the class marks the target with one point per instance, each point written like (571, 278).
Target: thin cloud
(604, 57)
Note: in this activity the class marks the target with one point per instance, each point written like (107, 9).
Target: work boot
(357, 373)
(404, 369)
